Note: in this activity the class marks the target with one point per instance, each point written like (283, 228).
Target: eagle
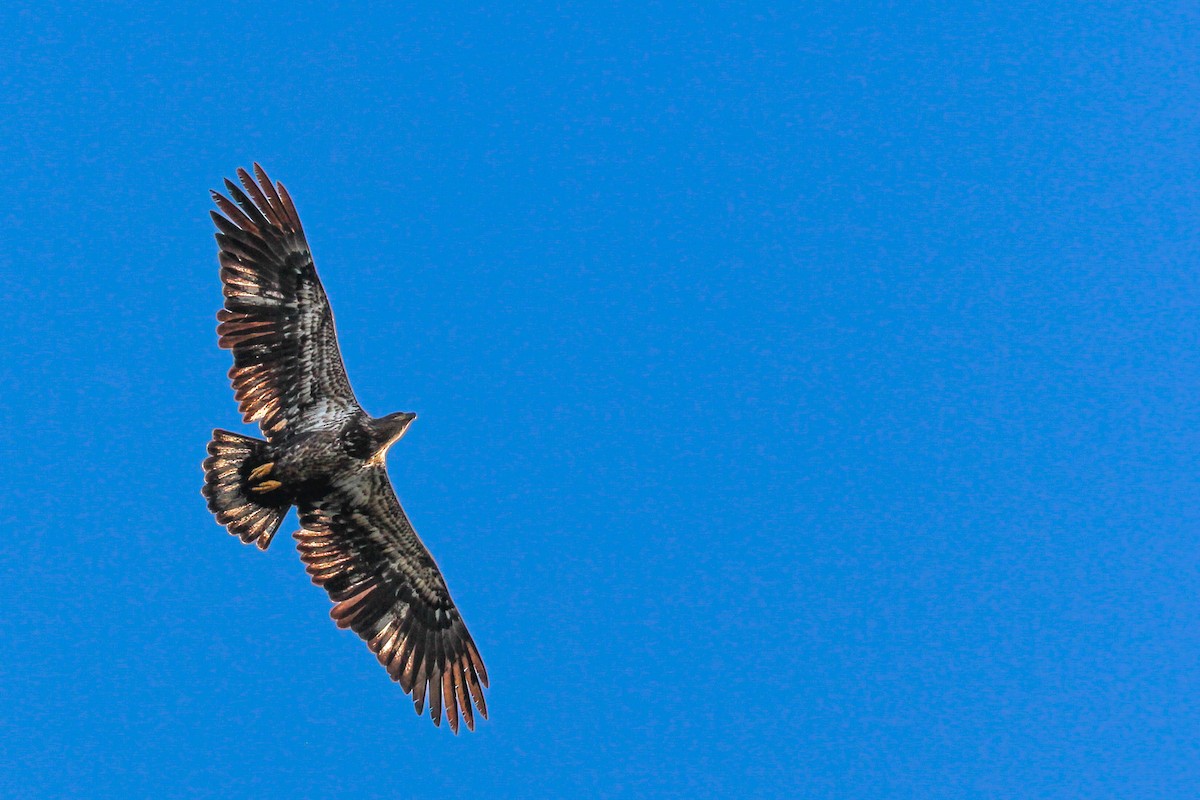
(325, 456)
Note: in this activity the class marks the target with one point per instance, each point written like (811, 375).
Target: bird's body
(324, 455)
(306, 463)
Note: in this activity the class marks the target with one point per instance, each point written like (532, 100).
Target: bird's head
(389, 429)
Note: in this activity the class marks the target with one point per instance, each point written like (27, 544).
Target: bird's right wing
(358, 544)
(287, 369)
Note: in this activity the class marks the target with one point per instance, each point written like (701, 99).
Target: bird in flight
(324, 455)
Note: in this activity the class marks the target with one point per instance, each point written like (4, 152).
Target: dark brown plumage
(324, 455)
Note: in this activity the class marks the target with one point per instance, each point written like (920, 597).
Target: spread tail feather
(227, 475)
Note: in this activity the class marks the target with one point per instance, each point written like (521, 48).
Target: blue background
(807, 397)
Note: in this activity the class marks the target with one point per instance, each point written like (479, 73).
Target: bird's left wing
(287, 369)
(358, 544)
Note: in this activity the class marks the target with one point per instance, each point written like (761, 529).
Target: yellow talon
(266, 486)
(263, 471)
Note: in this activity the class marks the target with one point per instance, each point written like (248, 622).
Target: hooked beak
(393, 427)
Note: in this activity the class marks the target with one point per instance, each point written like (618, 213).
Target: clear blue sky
(808, 399)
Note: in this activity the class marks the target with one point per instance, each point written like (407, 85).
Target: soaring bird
(324, 455)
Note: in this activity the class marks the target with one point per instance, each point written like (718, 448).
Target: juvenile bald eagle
(324, 455)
